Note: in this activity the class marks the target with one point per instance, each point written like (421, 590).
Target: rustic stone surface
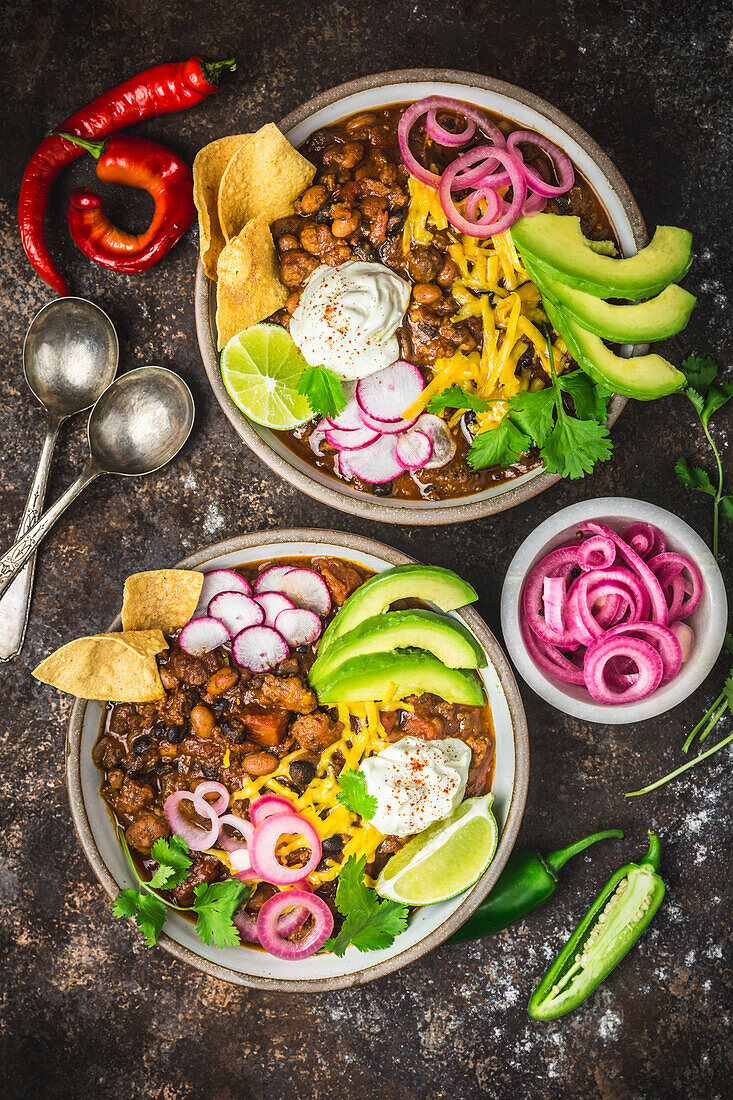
(88, 1011)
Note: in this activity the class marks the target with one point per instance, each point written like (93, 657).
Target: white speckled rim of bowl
(394, 87)
(431, 925)
(708, 621)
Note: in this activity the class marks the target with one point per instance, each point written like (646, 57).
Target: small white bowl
(708, 621)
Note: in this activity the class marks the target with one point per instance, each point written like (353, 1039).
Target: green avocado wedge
(446, 638)
(644, 377)
(412, 671)
(431, 583)
(555, 244)
(642, 323)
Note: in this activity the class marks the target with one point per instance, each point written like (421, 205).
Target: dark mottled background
(87, 1010)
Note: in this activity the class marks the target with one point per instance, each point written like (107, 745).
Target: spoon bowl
(141, 421)
(70, 355)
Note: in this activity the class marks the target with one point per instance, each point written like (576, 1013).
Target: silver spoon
(138, 425)
(70, 356)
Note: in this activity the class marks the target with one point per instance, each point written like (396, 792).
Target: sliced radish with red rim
(298, 627)
(304, 586)
(221, 580)
(374, 464)
(269, 579)
(236, 611)
(200, 636)
(413, 450)
(351, 440)
(387, 427)
(346, 421)
(273, 603)
(259, 649)
(438, 432)
(386, 394)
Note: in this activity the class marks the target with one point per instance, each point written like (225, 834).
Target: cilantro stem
(684, 768)
(719, 492)
(716, 718)
(703, 720)
(146, 886)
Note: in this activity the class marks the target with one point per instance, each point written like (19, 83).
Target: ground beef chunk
(205, 869)
(132, 798)
(145, 830)
(342, 579)
(316, 731)
(288, 692)
(389, 718)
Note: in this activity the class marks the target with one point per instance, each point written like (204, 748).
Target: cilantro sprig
(323, 391)
(215, 903)
(354, 795)
(371, 922)
(706, 398)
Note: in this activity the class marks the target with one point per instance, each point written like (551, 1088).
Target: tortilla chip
(208, 168)
(117, 668)
(160, 598)
(249, 287)
(264, 176)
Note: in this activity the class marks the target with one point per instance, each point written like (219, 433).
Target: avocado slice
(556, 245)
(446, 638)
(644, 377)
(412, 671)
(440, 586)
(642, 323)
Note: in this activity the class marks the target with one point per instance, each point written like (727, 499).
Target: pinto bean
(222, 680)
(295, 267)
(259, 763)
(287, 243)
(202, 720)
(426, 293)
(344, 227)
(312, 199)
(316, 239)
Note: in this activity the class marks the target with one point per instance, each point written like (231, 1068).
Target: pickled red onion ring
(211, 786)
(558, 563)
(264, 842)
(245, 828)
(552, 660)
(269, 933)
(553, 598)
(645, 538)
(197, 839)
(447, 137)
(483, 227)
(644, 656)
(660, 613)
(560, 162)
(427, 106)
(680, 563)
(596, 552)
(267, 805)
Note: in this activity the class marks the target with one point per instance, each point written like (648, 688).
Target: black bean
(363, 250)
(160, 731)
(470, 417)
(141, 745)
(221, 705)
(383, 489)
(234, 733)
(174, 734)
(302, 648)
(302, 772)
(396, 222)
(332, 845)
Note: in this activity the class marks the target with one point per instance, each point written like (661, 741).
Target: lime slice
(445, 859)
(260, 368)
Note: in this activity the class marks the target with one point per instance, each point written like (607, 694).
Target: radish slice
(200, 636)
(259, 648)
(298, 627)
(273, 603)
(374, 464)
(351, 440)
(386, 427)
(346, 421)
(236, 611)
(438, 432)
(269, 580)
(304, 586)
(221, 580)
(386, 394)
(413, 450)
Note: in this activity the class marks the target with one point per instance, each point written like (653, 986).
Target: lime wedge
(445, 859)
(260, 368)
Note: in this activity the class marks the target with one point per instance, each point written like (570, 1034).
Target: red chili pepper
(133, 162)
(156, 91)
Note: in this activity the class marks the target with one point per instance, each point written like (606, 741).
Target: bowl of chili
(430, 925)
(461, 494)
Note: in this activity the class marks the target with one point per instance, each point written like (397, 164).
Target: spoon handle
(11, 563)
(15, 604)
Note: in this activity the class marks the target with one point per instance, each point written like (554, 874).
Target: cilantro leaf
(323, 390)
(532, 413)
(216, 903)
(728, 641)
(697, 400)
(147, 911)
(574, 446)
(693, 477)
(590, 399)
(371, 923)
(728, 691)
(500, 446)
(714, 400)
(125, 904)
(456, 398)
(354, 795)
(700, 371)
(174, 862)
(726, 503)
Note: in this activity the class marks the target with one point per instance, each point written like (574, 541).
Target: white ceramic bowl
(430, 925)
(396, 87)
(708, 621)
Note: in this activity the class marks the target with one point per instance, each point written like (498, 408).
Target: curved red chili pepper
(156, 91)
(132, 162)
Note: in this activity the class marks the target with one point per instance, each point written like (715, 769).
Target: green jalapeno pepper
(526, 882)
(611, 927)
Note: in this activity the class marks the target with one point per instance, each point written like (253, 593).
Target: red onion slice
(685, 635)
(197, 839)
(244, 828)
(648, 664)
(438, 103)
(269, 933)
(553, 600)
(445, 137)
(644, 538)
(485, 226)
(666, 566)
(558, 563)
(560, 161)
(552, 660)
(211, 786)
(267, 805)
(650, 582)
(596, 552)
(266, 837)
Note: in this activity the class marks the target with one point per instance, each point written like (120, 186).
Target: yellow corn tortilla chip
(160, 598)
(208, 168)
(264, 176)
(117, 668)
(249, 287)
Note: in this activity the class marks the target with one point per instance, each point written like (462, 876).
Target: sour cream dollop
(348, 316)
(416, 783)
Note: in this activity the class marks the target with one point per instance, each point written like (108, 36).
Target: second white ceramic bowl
(708, 621)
